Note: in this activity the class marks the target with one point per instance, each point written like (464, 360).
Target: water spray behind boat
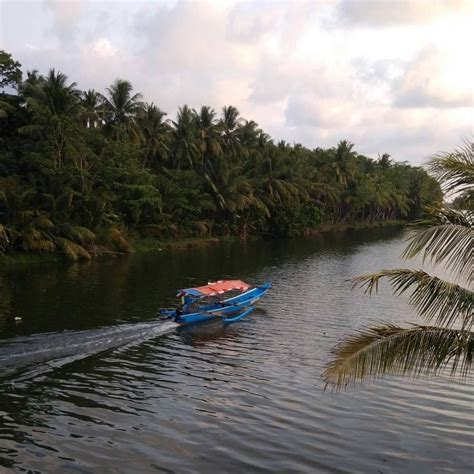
(24, 358)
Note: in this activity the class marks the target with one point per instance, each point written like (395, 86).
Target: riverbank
(142, 245)
(342, 227)
(149, 244)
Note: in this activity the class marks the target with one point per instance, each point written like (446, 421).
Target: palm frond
(437, 215)
(450, 242)
(416, 350)
(455, 171)
(434, 299)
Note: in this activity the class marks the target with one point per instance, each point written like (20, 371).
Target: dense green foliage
(81, 170)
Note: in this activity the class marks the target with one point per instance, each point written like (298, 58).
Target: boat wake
(24, 358)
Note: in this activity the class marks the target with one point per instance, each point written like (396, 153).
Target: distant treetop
(10, 72)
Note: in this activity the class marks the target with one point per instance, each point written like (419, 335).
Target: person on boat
(186, 304)
(183, 308)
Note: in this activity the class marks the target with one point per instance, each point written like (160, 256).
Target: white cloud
(249, 22)
(66, 16)
(103, 48)
(436, 78)
(383, 13)
(323, 113)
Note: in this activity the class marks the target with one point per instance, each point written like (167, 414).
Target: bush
(292, 220)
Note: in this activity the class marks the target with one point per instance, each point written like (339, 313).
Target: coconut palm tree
(230, 188)
(51, 92)
(209, 137)
(250, 135)
(154, 134)
(230, 124)
(121, 108)
(54, 106)
(92, 109)
(54, 93)
(384, 161)
(445, 237)
(343, 168)
(274, 177)
(185, 143)
(343, 164)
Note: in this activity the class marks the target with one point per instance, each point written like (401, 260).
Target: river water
(90, 381)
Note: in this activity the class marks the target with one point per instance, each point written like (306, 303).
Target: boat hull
(249, 297)
(224, 316)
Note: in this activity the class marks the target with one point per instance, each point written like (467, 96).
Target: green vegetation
(446, 238)
(82, 173)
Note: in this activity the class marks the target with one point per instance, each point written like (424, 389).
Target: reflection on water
(92, 383)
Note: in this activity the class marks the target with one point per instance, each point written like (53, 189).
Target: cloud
(435, 78)
(382, 13)
(380, 71)
(249, 22)
(322, 113)
(103, 47)
(188, 36)
(405, 134)
(66, 15)
(408, 134)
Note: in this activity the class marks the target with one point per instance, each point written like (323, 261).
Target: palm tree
(33, 78)
(51, 92)
(250, 135)
(230, 131)
(60, 97)
(446, 237)
(209, 138)
(121, 108)
(154, 133)
(263, 139)
(53, 105)
(343, 164)
(185, 144)
(385, 161)
(184, 201)
(92, 109)
(274, 178)
(231, 189)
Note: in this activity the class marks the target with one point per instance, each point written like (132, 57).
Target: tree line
(81, 171)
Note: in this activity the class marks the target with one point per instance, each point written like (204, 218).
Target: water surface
(92, 382)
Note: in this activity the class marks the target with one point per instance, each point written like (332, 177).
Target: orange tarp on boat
(215, 288)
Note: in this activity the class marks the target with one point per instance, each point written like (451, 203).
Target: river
(91, 381)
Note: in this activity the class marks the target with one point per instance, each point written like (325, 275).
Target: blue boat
(195, 306)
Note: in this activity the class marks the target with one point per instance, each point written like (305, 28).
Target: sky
(390, 76)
